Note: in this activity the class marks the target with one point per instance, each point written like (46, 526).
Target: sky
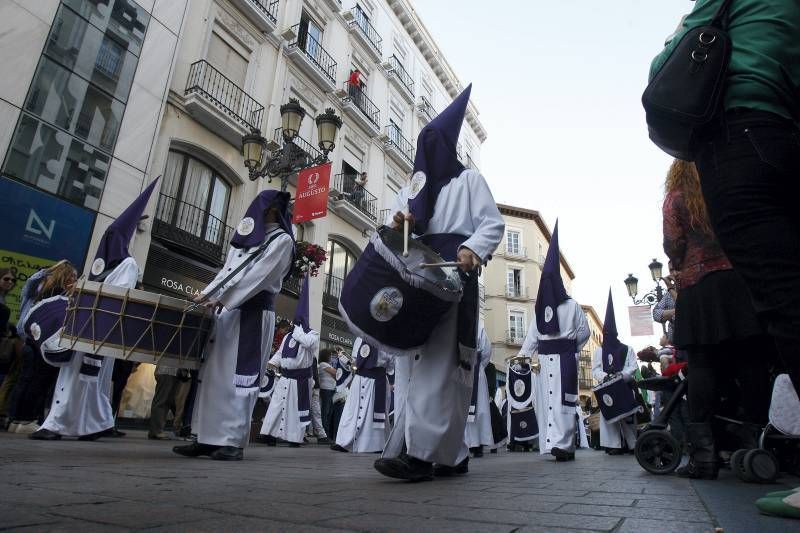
(558, 85)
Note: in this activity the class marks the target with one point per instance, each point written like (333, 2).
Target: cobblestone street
(133, 483)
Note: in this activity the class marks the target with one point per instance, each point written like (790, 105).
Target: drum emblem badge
(417, 183)
(386, 304)
(610, 358)
(523, 424)
(608, 400)
(98, 266)
(364, 351)
(519, 387)
(246, 226)
(548, 314)
(292, 343)
(36, 331)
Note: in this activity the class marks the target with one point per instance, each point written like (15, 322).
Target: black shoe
(44, 434)
(493, 450)
(185, 432)
(693, 470)
(227, 453)
(117, 434)
(294, 445)
(405, 467)
(512, 447)
(337, 448)
(702, 453)
(615, 451)
(447, 471)
(267, 439)
(194, 449)
(323, 440)
(94, 436)
(562, 455)
(477, 451)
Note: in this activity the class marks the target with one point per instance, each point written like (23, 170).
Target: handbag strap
(720, 17)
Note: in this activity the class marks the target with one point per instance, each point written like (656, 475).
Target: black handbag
(686, 92)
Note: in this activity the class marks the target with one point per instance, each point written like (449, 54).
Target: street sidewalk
(133, 483)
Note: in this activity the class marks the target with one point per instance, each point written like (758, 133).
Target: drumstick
(405, 237)
(446, 264)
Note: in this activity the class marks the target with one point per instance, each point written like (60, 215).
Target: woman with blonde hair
(715, 322)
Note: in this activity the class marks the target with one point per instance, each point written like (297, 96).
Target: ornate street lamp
(655, 294)
(267, 159)
(655, 269)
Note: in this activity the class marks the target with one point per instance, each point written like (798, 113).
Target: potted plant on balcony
(308, 257)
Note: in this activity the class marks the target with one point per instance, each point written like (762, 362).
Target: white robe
(556, 420)
(479, 430)
(357, 431)
(432, 392)
(223, 411)
(282, 420)
(82, 407)
(612, 433)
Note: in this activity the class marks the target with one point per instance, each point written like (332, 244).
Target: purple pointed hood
(301, 313)
(436, 161)
(551, 290)
(611, 344)
(113, 247)
(252, 229)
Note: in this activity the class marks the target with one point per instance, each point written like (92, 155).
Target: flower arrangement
(308, 257)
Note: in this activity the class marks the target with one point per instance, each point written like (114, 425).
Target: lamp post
(267, 159)
(652, 296)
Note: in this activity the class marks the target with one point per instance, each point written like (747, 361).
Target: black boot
(562, 455)
(227, 453)
(447, 471)
(194, 449)
(269, 440)
(405, 467)
(702, 454)
(44, 434)
(477, 451)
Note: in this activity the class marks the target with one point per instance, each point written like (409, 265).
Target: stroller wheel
(761, 466)
(737, 466)
(658, 452)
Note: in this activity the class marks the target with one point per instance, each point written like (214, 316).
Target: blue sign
(40, 225)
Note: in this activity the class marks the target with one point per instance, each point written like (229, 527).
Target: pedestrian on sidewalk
(327, 388)
(172, 388)
(317, 425)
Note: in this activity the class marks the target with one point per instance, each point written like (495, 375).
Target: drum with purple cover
(616, 399)
(136, 325)
(391, 300)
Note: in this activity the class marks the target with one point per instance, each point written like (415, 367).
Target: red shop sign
(313, 187)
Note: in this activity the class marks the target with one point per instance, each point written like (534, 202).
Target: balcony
(331, 292)
(292, 286)
(400, 78)
(399, 148)
(302, 147)
(517, 293)
(383, 215)
(364, 32)
(262, 13)
(219, 104)
(357, 106)
(191, 229)
(311, 57)
(335, 5)
(353, 202)
(425, 110)
(460, 152)
(516, 251)
(515, 337)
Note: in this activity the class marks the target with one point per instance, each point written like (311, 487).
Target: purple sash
(566, 350)
(303, 378)
(378, 375)
(251, 331)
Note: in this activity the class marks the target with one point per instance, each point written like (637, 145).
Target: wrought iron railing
(460, 152)
(358, 97)
(402, 74)
(383, 214)
(192, 228)
(585, 379)
(268, 8)
(109, 58)
(356, 194)
(303, 145)
(292, 285)
(361, 21)
(515, 337)
(332, 291)
(516, 292)
(426, 108)
(399, 142)
(313, 49)
(469, 163)
(516, 251)
(224, 93)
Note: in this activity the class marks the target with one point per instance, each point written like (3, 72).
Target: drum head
(445, 278)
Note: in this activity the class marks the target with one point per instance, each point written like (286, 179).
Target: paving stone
(665, 525)
(628, 512)
(386, 522)
(134, 514)
(298, 513)
(14, 516)
(237, 524)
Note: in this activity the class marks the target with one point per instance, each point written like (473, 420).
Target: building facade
(511, 281)
(106, 95)
(585, 379)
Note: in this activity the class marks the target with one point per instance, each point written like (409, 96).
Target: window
(227, 59)
(310, 35)
(70, 121)
(193, 206)
(513, 242)
(516, 325)
(340, 262)
(541, 253)
(514, 282)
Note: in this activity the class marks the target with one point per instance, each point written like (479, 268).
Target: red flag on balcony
(313, 187)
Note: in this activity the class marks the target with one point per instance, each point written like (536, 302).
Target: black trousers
(34, 389)
(750, 173)
(119, 377)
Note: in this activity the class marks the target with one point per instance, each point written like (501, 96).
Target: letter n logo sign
(37, 227)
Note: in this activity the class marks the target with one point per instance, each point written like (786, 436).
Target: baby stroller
(658, 452)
